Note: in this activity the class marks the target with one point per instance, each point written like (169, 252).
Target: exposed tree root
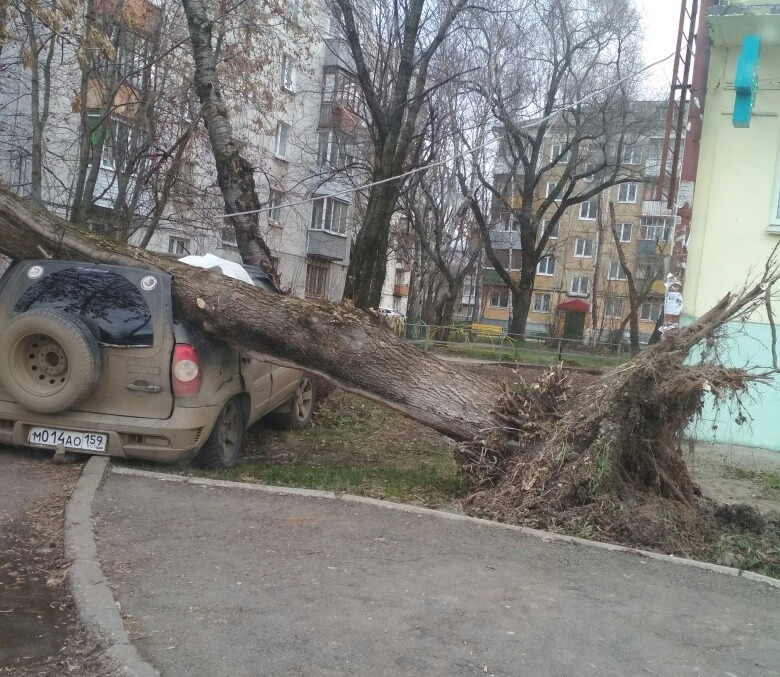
(605, 460)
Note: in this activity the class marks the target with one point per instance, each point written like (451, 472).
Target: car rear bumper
(160, 440)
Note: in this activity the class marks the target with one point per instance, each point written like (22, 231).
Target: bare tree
(392, 46)
(564, 120)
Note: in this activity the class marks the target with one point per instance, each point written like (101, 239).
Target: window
(583, 247)
(579, 286)
(616, 271)
(542, 303)
(627, 193)
(399, 277)
(328, 87)
(554, 234)
(327, 148)
(509, 223)
(228, 234)
(119, 140)
(651, 310)
(329, 214)
(558, 155)
(589, 172)
(179, 246)
(551, 186)
(655, 229)
(275, 198)
(316, 279)
(112, 303)
(632, 155)
(613, 308)
(588, 211)
(546, 266)
(647, 271)
(624, 232)
(282, 133)
(288, 73)
(499, 298)
(131, 56)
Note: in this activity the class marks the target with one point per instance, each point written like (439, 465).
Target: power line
(348, 191)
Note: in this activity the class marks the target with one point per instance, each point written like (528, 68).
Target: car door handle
(143, 387)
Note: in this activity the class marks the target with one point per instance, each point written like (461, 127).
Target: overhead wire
(399, 177)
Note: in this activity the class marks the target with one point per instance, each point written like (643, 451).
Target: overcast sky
(661, 20)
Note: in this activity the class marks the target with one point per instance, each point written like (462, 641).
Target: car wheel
(49, 360)
(222, 448)
(301, 405)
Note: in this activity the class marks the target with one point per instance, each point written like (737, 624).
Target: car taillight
(185, 371)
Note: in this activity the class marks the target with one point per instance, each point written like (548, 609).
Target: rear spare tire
(49, 360)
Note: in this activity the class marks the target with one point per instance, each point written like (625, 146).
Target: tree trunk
(368, 258)
(348, 347)
(521, 305)
(235, 174)
(414, 304)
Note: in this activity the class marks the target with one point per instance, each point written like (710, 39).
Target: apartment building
(106, 137)
(580, 290)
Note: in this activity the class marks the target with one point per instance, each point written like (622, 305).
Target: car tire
(49, 360)
(222, 448)
(301, 405)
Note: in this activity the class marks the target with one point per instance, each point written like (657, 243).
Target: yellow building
(735, 221)
(581, 255)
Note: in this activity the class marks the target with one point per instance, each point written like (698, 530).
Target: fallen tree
(537, 453)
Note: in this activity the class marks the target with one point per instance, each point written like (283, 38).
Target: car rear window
(108, 303)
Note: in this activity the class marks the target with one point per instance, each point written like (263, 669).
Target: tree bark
(633, 302)
(368, 258)
(234, 173)
(347, 346)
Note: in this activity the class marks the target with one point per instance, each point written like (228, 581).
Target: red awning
(576, 305)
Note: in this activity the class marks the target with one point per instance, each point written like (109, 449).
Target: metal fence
(498, 346)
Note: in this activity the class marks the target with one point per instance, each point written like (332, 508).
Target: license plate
(70, 439)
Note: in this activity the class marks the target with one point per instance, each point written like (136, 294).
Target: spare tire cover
(49, 360)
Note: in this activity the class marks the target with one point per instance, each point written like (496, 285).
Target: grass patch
(354, 446)
(540, 356)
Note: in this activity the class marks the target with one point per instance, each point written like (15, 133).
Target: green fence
(498, 346)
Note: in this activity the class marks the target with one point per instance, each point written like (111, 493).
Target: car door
(285, 381)
(258, 383)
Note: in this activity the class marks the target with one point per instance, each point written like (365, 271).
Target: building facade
(580, 290)
(120, 138)
(735, 221)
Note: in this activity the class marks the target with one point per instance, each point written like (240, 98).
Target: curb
(413, 509)
(94, 600)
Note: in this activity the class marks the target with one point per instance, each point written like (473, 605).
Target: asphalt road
(217, 581)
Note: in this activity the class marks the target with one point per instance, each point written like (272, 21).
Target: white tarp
(215, 263)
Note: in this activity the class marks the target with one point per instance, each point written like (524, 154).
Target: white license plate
(70, 439)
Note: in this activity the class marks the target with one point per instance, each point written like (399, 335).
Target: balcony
(648, 248)
(327, 245)
(139, 15)
(401, 290)
(656, 208)
(335, 116)
(338, 54)
(505, 239)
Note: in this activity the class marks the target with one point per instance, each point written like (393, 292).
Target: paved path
(216, 581)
